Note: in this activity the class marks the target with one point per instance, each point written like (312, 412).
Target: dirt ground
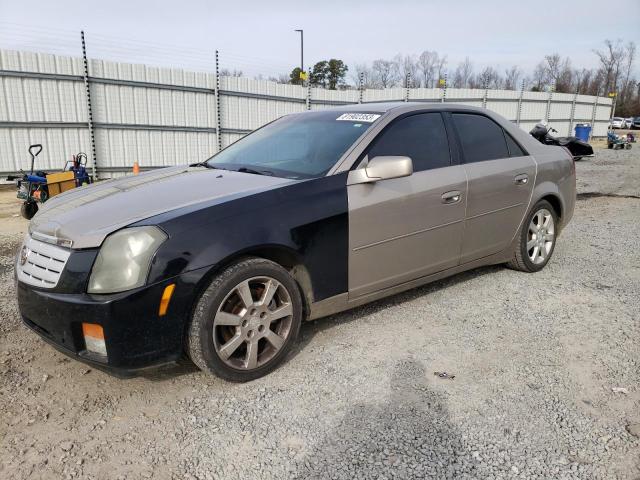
(546, 365)
(10, 220)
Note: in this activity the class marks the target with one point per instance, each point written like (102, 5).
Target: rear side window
(514, 148)
(481, 138)
(421, 137)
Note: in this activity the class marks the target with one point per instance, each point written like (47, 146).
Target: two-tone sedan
(312, 214)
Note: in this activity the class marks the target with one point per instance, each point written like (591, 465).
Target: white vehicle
(628, 122)
(617, 122)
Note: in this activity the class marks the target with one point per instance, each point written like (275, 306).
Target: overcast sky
(257, 35)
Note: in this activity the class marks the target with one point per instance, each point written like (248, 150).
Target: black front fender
(309, 218)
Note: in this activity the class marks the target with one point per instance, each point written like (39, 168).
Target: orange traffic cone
(136, 168)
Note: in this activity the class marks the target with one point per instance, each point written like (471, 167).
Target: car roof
(383, 107)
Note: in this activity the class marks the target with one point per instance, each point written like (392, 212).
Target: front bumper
(136, 337)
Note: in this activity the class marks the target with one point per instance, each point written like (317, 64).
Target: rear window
(482, 139)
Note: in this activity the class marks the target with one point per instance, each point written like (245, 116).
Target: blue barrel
(583, 130)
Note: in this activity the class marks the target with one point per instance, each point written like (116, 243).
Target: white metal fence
(162, 117)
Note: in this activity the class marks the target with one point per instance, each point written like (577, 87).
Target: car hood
(86, 215)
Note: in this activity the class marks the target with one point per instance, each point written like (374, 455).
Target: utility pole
(301, 54)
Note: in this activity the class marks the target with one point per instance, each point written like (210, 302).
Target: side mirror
(381, 168)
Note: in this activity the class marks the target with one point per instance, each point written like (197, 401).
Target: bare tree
(368, 80)
(611, 59)
(429, 66)
(463, 73)
(630, 54)
(407, 66)
(511, 78)
(559, 73)
(489, 77)
(385, 73)
(425, 64)
(582, 79)
(539, 77)
(597, 84)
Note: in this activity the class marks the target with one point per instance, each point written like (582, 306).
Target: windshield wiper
(201, 164)
(212, 166)
(255, 172)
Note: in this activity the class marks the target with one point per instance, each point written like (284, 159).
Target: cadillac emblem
(23, 255)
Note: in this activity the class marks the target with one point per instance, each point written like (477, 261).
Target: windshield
(300, 146)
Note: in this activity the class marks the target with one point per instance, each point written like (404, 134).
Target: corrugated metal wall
(160, 116)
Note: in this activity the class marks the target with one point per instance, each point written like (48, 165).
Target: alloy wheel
(540, 236)
(252, 323)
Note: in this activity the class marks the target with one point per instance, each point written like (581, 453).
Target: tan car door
(501, 177)
(404, 228)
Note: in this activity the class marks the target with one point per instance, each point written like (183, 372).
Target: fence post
(573, 112)
(407, 87)
(217, 109)
(519, 113)
(444, 89)
(551, 90)
(309, 92)
(92, 136)
(361, 87)
(486, 92)
(593, 115)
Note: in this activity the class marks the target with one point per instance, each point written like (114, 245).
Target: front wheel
(246, 321)
(537, 239)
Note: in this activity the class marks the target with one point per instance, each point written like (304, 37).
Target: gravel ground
(547, 379)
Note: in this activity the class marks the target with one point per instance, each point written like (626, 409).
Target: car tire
(537, 239)
(246, 321)
(29, 209)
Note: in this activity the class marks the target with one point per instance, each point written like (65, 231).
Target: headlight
(124, 259)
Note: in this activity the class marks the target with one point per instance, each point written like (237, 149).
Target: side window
(514, 148)
(421, 137)
(482, 138)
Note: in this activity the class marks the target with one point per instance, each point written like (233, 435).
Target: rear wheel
(246, 321)
(537, 239)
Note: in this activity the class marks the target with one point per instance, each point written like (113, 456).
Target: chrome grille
(41, 264)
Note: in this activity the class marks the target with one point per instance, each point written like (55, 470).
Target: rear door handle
(451, 197)
(522, 179)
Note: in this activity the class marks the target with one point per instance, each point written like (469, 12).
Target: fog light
(94, 338)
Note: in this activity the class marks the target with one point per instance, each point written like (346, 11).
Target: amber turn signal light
(166, 298)
(94, 338)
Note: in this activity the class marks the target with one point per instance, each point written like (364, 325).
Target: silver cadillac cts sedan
(312, 214)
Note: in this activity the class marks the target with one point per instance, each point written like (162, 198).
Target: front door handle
(522, 179)
(451, 197)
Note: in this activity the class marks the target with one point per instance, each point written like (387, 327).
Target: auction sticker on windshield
(359, 117)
